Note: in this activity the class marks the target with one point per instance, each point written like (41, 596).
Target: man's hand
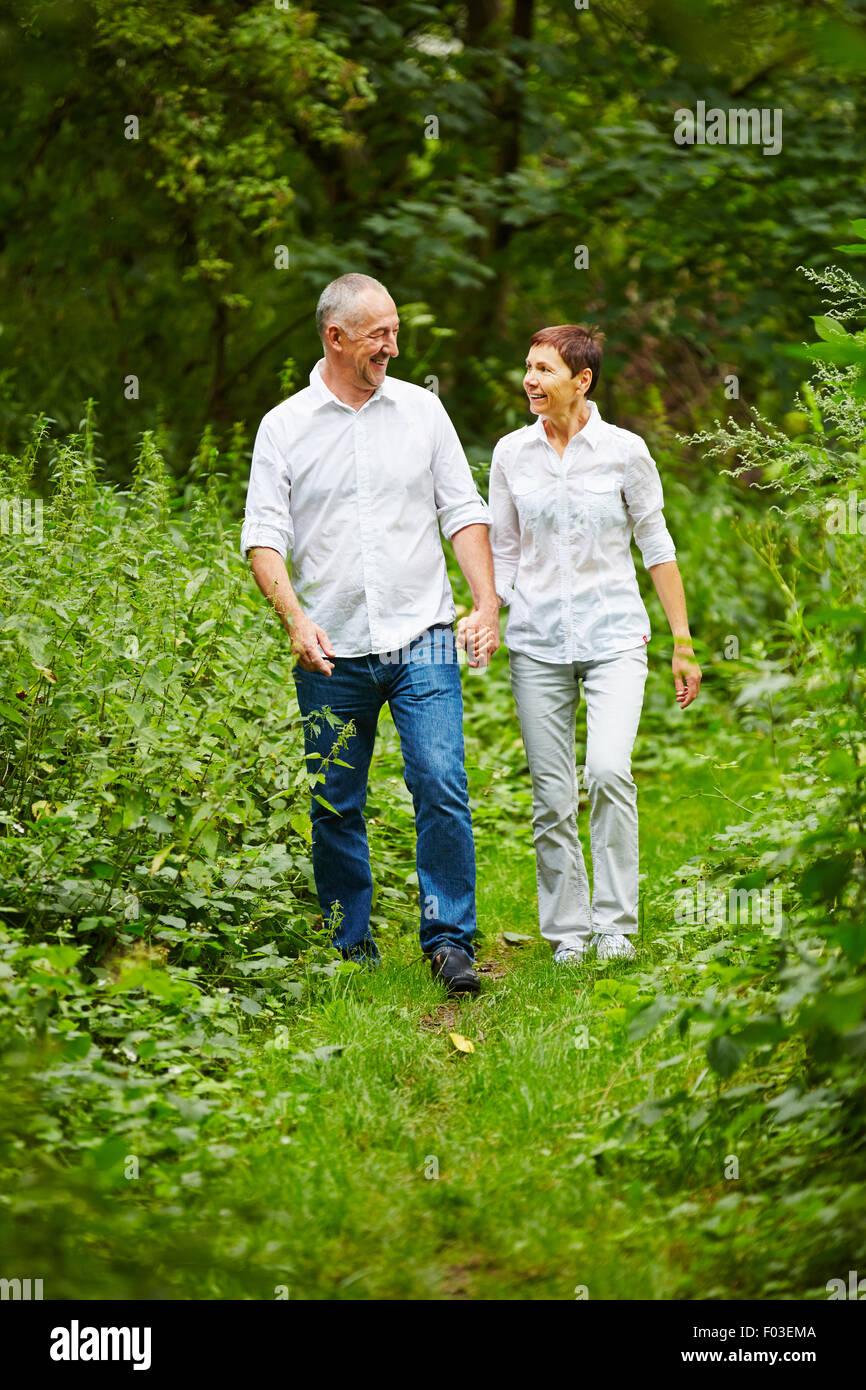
(479, 634)
(309, 641)
(687, 676)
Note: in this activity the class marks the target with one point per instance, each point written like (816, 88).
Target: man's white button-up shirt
(356, 498)
(561, 538)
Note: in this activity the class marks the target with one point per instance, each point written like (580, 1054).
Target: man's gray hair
(339, 301)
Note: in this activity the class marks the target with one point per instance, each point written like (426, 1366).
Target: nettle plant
(153, 787)
(793, 988)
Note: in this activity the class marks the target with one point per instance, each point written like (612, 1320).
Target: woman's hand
(687, 672)
(687, 675)
(479, 634)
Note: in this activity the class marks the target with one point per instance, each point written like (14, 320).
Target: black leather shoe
(454, 968)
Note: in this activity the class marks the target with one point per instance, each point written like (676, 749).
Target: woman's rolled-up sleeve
(644, 501)
(267, 515)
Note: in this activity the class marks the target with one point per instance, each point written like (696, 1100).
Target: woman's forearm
(669, 587)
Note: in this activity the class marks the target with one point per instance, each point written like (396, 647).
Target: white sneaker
(565, 956)
(612, 946)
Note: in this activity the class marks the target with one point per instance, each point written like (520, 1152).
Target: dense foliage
(160, 936)
(200, 1098)
(461, 152)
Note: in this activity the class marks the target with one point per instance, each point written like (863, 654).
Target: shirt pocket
(605, 505)
(529, 496)
(536, 506)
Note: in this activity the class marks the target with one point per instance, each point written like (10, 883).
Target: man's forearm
(475, 558)
(271, 575)
(310, 642)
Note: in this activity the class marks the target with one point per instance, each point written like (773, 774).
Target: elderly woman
(566, 495)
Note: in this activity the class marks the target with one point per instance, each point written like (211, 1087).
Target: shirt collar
(324, 395)
(591, 431)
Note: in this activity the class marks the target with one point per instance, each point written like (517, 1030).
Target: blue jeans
(424, 694)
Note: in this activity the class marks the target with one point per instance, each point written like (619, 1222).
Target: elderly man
(354, 475)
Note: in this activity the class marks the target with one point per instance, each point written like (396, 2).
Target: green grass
(356, 1153)
(407, 1169)
(399, 1167)
(201, 1102)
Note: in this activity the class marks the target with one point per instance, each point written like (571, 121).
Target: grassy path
(391, 1165)
(353, 1151)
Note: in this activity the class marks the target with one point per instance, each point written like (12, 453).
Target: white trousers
(547, 697)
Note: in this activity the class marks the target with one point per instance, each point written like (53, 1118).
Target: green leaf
(210, 841)
(60, 957)
(618, 991)
(649, 1018)
(101, 868)
(76, 1049)
(827, 327)
(154, 981)
(725, 1055)
(110, 1152)
(825, 879)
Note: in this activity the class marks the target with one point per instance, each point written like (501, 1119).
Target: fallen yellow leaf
(159, 859)
(462, 1044)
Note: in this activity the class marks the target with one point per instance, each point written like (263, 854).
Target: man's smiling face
(371, 340)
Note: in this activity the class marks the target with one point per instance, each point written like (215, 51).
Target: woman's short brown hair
(578, 347)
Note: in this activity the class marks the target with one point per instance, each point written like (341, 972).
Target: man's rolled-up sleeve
(267, 515)
(644, 501)
(458, 501)
(504, 531)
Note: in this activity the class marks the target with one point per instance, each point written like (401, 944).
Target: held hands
(479, 634)
(309, 641)
(687, 675)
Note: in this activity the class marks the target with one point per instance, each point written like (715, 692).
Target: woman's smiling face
(550, 388)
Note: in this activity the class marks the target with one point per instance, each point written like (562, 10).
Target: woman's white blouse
(561, 536)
